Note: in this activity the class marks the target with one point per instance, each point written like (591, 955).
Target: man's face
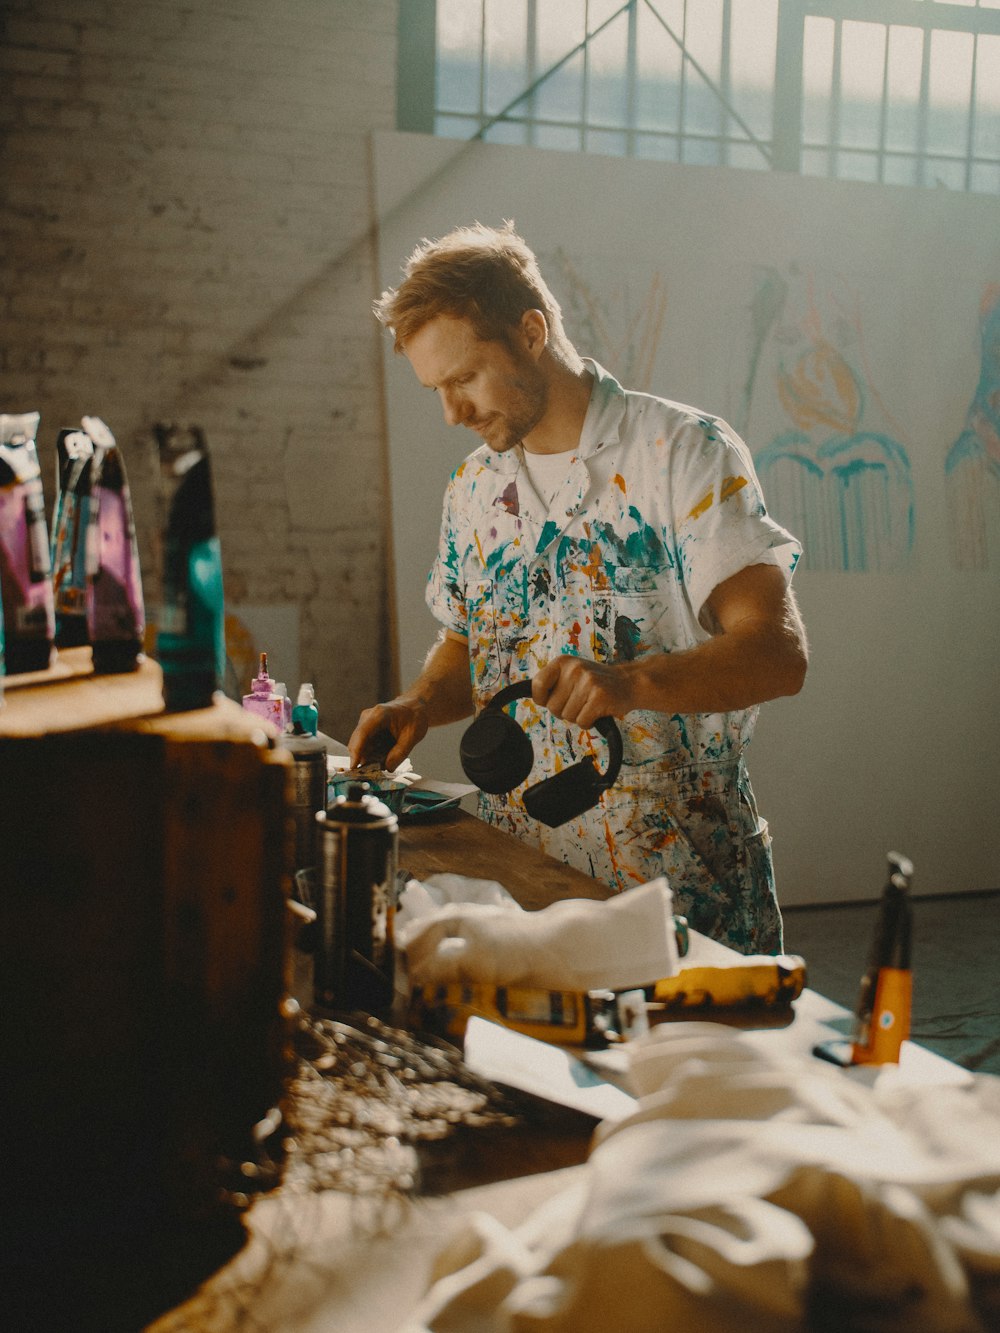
(497, 392)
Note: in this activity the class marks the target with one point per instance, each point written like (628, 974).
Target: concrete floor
(956, 968)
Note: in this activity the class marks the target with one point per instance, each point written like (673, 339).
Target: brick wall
(185, 220)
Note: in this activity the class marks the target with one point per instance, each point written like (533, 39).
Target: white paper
(550, 1072)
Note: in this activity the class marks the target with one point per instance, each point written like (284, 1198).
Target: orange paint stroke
(730, 485)
(820, 390)
(703, 504)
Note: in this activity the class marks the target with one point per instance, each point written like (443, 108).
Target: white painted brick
(187, 193)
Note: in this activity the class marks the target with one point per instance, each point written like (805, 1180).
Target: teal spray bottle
(190, 641)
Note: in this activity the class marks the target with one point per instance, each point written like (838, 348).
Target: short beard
(532, 401)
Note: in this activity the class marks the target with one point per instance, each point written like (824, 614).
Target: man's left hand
(581, 691)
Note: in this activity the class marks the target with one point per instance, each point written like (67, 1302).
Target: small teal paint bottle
(305, 714)
(190, 641)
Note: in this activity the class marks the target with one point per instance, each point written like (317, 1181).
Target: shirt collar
(601, 425)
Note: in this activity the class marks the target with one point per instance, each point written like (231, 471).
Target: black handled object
(497, 756)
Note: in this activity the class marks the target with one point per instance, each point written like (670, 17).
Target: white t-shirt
(547, 472)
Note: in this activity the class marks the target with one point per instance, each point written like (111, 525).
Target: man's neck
(560, 428)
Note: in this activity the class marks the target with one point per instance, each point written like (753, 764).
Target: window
(903, 92)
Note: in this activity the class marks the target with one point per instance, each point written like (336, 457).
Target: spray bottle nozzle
(900, 865)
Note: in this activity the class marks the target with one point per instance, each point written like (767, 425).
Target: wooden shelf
(69, 697)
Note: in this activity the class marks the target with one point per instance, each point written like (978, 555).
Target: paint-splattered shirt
(660, 505)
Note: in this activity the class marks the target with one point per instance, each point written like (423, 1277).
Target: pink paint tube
(25, 559)
(115, 609)
(264, 699)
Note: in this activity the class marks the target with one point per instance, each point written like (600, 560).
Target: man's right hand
(386, 733)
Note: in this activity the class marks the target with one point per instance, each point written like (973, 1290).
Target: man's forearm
(758, 652)
(730, 671)
(442, 690)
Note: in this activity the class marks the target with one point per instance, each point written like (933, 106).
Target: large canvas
(851, 334)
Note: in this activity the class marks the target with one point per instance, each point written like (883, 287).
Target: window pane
(817, 80)
(985, 178)
(607, 92)
(658, 70)
(506, 52)
(752, 51)
(950, 91)
(906, 47)
(815, 162)
(703, 110)
(656, 147)
(458, 36)
(701, 152)
(456, 127)
(559, 28)
(900, 170)
(611, 142)
(557, 136)
(507, 131)
(862, 57)
(747, 156)
(857, 166)
(940, 171)
(986, 138)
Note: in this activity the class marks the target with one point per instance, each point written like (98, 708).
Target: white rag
(575, 944)
(751, 1194)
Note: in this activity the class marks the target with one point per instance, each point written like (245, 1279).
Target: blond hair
(487, 275)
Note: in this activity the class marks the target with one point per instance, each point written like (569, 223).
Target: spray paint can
(354, 959)
(882, 1017)
(308, 796)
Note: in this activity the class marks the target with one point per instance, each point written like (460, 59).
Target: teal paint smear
(549, 533)
(873, 495)
(644, 548)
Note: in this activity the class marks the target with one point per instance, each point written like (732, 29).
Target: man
(614, 549)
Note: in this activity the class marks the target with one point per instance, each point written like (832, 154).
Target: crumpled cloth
(751, 1194)
(573, 944)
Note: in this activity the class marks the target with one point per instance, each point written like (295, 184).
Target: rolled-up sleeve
(721, 523)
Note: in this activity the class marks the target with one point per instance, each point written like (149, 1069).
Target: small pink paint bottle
(263, 699)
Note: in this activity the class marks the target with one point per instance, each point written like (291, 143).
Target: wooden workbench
(305, 1262)
(458, 843)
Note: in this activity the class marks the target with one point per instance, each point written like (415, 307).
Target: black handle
(607, 726)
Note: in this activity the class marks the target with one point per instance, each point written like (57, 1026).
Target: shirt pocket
(647, 613)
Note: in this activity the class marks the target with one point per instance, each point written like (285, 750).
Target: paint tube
(882, 1017)
(190, 641)
(264, 699)
(116, 617)
(70, 522)
(25, 558)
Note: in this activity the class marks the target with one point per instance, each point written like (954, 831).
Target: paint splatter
(835, 476)
(972, 466)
